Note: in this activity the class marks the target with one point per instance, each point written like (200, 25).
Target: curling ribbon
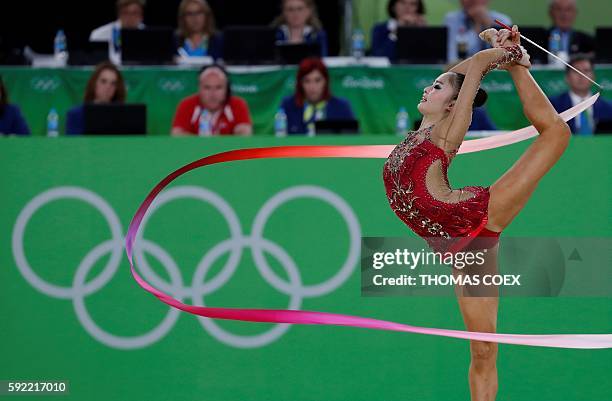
(314, 317)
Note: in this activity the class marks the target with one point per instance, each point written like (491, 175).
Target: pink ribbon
(313, 317)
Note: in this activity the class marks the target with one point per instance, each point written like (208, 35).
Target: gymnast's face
(438, 97)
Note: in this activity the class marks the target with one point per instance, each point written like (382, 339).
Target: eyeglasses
(193, 13)
(295, 9)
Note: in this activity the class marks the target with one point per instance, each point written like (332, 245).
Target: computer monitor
(421, 45)
(603, 48)
(249, 45)
(89, 53)
(296, 52)
(603, 127)
(148, 46)
(336, 127)
(540, 36)
(115, 119)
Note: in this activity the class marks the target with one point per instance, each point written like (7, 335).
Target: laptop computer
(421, 45)
(249, 45)
(148, 46)
(603, 127)
(540, 36)
(603, 49)
(295, 53)
(115, 119)
(336, 127)
(89, 53)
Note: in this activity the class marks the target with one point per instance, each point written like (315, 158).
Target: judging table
(375, 93)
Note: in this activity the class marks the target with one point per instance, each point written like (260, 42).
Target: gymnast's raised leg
(508, 195)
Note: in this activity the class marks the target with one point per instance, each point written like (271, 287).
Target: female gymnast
(417, 187)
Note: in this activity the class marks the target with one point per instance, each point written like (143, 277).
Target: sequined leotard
(417, 187)
(441, 222)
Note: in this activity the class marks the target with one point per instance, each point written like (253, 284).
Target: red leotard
(444, 224)
(416, 182)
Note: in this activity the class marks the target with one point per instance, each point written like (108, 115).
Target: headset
(228, 88)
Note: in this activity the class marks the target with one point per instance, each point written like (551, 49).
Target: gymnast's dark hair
(481, 95)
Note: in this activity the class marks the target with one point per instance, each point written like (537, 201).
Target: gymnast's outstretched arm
(462, 67)
(453, 128)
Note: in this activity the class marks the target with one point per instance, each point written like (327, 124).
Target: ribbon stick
(550, 53)
(591, 341)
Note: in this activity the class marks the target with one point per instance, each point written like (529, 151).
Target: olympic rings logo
(198, 289)
(45, 83)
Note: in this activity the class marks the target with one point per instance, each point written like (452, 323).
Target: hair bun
(481, 98)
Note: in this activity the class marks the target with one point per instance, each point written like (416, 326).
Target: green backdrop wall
(376, 94)
(57, 195)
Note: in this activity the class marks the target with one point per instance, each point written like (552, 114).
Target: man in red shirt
(213, 110)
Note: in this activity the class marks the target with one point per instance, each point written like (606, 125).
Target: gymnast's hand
(506, 38)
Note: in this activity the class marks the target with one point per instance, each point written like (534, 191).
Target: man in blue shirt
(464, 26)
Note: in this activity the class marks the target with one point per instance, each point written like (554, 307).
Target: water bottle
(358, 43)
(462, 43)
(280, 123)
(205, 123)
(402, 122)
(59, 45)
(52, 123)
(310, 129)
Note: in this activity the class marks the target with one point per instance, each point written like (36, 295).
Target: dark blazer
(12, 121)
(580, 42)
(215, 45)
(315, 36)
(602, 109)
(75, 120)
(481, 121)
(336, 109)
(382, 45)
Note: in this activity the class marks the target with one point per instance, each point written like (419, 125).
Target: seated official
(580, 90)
(570, 41)
(196, 32)
(105, 86)
(11, 119)
(401, 13)
(312, 100)
(299, 23)
(213, 110)
(464, 26)
(130, 14)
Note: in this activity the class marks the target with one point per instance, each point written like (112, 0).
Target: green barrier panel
(376, 94)
(71, 311)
